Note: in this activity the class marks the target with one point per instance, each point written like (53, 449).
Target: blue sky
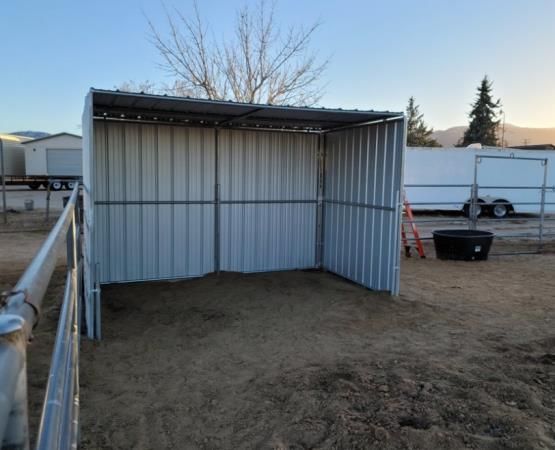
(381, 52)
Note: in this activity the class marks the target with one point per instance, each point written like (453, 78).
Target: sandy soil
(465, 358)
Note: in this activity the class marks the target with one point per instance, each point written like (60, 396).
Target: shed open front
(179, 188)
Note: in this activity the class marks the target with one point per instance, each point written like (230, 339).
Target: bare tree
(147, 87)
(261, 63)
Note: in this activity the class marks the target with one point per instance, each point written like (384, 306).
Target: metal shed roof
(147, 107)
(50, 136)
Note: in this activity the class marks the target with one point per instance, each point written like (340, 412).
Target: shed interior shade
(117, 105)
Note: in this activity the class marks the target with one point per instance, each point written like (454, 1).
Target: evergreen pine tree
(483, 118)
(418, 133)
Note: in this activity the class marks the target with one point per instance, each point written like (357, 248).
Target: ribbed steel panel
(268, 189)
(258, 165)
(362, 183)
(266, 237)
(268, 186)
(153, 163)
(136, 168)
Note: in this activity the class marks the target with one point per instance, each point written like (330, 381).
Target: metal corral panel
(268, 193)
(154, 209)
(363, 179)
(64, 162)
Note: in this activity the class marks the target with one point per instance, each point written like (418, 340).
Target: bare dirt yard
(464, 358)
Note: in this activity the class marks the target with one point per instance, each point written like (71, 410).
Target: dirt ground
(16, 196)
(464, 358)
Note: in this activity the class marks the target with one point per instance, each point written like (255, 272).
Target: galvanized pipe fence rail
(20, 310)
(475, 207)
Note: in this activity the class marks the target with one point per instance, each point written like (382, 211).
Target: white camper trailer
(441, 179)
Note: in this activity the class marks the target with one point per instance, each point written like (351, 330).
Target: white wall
(35, 152)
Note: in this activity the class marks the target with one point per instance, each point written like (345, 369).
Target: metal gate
(541, 188)
(537, 226)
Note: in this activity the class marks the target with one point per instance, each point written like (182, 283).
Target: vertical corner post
(216, 205)
(542, 206)
(321, 163)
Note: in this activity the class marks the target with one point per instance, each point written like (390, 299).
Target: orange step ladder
(407, 210)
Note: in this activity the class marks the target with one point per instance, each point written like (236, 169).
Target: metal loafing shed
(178, 187)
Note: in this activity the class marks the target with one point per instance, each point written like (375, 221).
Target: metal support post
(321, 157)
(216, 206)
(4, 202)
(399, 199)
(473, 212)
(542, 207)
(97, 307)
(48, 201)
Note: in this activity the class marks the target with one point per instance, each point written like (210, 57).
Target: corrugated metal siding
(268, 193)
(362, 181)
(268, 187)
(137, 168)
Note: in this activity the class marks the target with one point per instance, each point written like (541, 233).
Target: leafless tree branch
(146, 87)
(259, 64)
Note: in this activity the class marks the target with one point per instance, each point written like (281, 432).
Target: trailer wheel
(480, 208)
(34, 185)
(56, 185)
(500, 209)
(70, 184)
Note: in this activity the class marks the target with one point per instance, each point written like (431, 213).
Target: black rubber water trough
(466, 245)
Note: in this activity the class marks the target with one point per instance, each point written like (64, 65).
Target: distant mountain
(513, 135)
(31, 134)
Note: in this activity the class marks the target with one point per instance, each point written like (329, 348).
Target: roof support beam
(232, 119)
(362, 124)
